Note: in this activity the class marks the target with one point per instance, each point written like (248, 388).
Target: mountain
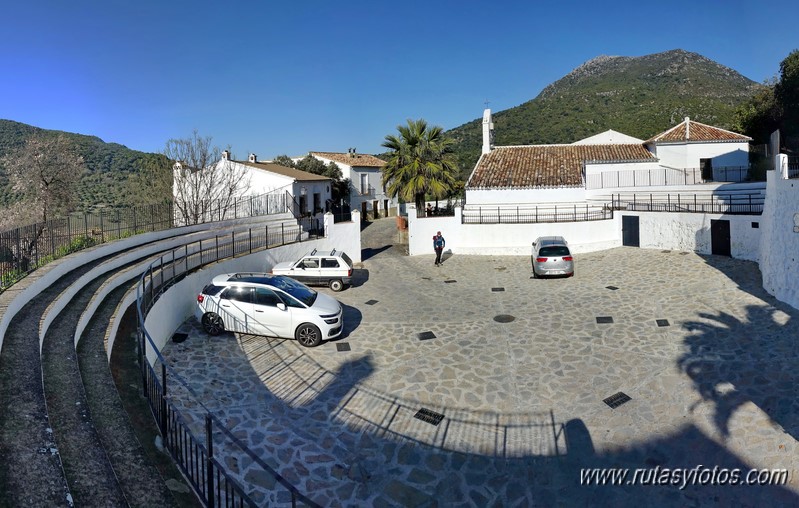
(109, 166)
(640, 96)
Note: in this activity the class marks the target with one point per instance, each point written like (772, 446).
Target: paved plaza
(511, 373)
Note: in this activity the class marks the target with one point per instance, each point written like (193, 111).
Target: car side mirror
(281, 306)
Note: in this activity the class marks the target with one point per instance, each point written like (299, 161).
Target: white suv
(319, 268)
(272, 305)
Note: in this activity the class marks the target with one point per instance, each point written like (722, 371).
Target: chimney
(488, 131)
(226, 155)
(253, 157)
(687, 128)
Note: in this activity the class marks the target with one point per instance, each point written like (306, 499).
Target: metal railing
(566, 212)
(24, 249)
(662, 177)
(725, 203)
(199, 450)
(793, 166)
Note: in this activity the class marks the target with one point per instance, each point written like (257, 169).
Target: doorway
(630, 235)
(720, 237)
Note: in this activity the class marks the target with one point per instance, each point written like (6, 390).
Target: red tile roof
(547, 165)
(357, 159)
(298, 175)
(690, 131)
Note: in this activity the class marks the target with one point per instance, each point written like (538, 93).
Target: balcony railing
(565, 212)
(727, 203)
(663, 176)
(793, 166)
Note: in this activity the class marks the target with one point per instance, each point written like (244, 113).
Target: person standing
(438, 246)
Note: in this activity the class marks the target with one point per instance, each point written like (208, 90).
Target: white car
(319, 268)
(271, 305)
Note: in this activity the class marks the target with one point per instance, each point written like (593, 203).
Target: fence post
(556, 213)
(536, 214)
(695, 203)
(668, 201)
(135, 224)
(69, 228)
(650, 202)
(52, 240)
(250, 238)
(209, 466)
(143, 358)
(266, 235)
(102, 228)
(282, 234)
(499, 216)
(85, 224)
(517, 214)
(235, 213)
(201, 251)
(119, 226)
(233, 242)
(163, 403)
(216, 239)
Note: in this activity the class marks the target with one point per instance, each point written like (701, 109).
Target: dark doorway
(303, 205)
(720, 237)
(364, 210)
(630, 236)
(707, 169)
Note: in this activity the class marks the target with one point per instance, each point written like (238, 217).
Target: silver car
(551, 256)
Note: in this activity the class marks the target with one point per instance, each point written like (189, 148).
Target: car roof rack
(333, 252)
(313, 252)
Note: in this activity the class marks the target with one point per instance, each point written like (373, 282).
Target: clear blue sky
(275, 77)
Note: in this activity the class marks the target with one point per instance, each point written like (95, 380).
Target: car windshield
(554, 251)
(299, 291)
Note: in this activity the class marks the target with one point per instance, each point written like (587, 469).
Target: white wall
(523, 196)
(687, 155)
(779, 243)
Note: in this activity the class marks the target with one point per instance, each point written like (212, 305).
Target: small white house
(366, 178)
(311, 191)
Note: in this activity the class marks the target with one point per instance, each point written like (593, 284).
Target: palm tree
(421, 162)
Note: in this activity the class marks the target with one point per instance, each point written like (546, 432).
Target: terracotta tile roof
(358, 159)
(299, 175)
(547, 165)
(690, 131)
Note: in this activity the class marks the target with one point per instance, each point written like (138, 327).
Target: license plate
(556, 272)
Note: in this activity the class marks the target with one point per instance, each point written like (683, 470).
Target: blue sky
(288, 77)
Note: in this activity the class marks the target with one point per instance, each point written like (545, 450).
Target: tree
(340, 187)
(205, 185)
(420, 163)
(152, 183)
(44, 172)
(284, 160)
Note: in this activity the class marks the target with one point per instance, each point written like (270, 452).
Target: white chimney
(253, 157)
(488, 131)
(687, 128)
(226, 155)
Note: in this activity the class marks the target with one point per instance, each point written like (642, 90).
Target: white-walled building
(366, 178)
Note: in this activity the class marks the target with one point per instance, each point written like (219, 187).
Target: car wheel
(308, 335)
(213, 324)
(336, 285)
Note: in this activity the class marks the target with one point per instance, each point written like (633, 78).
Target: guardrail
(731, 204)
(565, 212)
(193, 449)
(662, 177)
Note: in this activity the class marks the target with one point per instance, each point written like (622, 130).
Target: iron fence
(566, 212)
(192, 445)
(728, 203)
(663, 176)
(27, 248)
(793, 166)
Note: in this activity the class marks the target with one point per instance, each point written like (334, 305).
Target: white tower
(488, 131)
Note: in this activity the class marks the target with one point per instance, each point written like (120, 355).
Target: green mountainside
(639, 96)
(109, 167)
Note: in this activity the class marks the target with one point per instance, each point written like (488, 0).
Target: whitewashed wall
(779, 243)
(687, 155)
(524, 196)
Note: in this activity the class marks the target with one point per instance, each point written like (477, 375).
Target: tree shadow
(733, 360)
(370, 252)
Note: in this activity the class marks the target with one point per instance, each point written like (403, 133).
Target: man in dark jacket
(438, 245)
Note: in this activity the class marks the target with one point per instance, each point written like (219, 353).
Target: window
(329, 263)
(265, 296)
(238, 294)
(364, 183)
(556, 251)
(310, 263)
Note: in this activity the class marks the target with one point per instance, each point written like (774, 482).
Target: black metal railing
(793, 166)
(749, 203)
(199, 450)
(663, 176)
(24, 249)
(566, 212)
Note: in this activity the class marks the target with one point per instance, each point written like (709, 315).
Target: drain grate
(662, 322)
(504, 318)
(371, 302)
(179, 337)
(429, 416)
(603, 320)
(426, 335)
(612, 288)
(343, 346)
(427, 278)
(497, 290)
(665, 251)
(450, 281)
(617, 400)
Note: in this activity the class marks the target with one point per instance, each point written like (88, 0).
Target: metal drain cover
(343, 346)
(617, 399)
(371, 302)
(426, 335)
(662, 322)
(497, 290)
(603, 320)
(450, 281)
(504, 318)
(612, 288)
(429, 416)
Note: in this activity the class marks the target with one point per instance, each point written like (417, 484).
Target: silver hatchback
(551, 256)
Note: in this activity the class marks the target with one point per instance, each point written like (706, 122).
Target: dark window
(756, 225)
(329, 263)
(264, 296)
(310, 263)
(238, 294)
(555, 251)
(289, 300)
(212, 290)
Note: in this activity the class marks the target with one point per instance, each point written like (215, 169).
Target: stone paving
(714, 383)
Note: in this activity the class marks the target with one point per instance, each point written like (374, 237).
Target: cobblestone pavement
(519, 368)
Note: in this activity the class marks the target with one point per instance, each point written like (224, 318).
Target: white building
(366, 179)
